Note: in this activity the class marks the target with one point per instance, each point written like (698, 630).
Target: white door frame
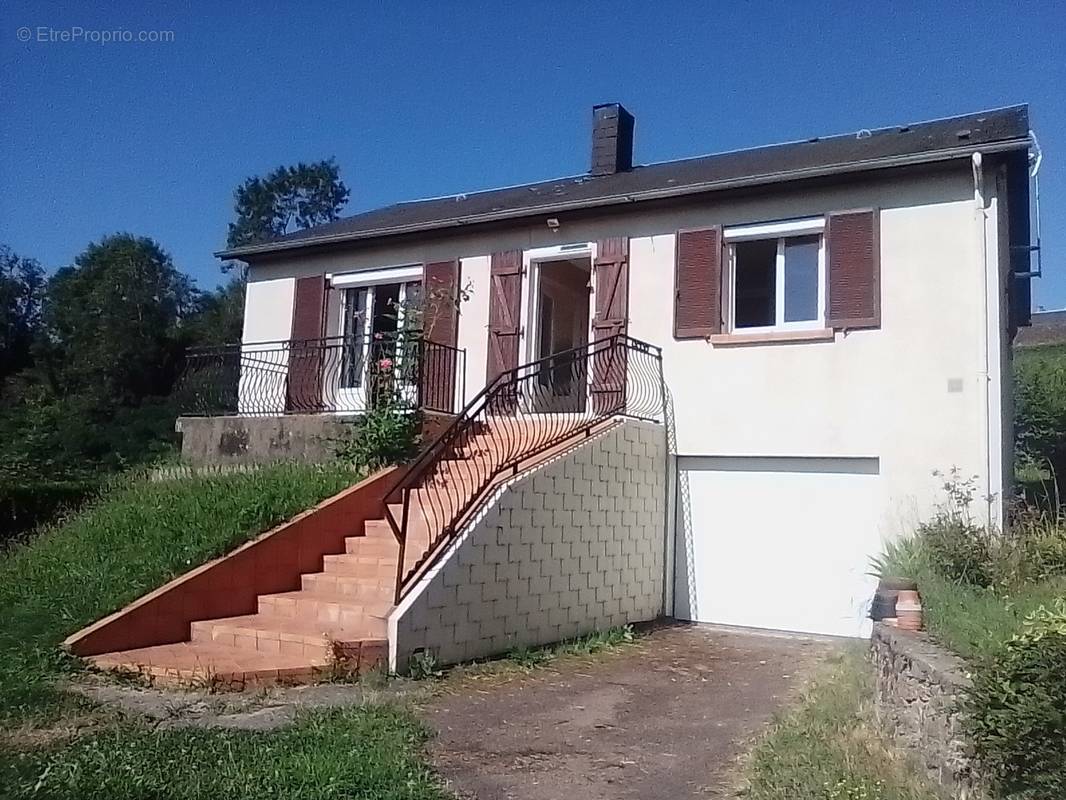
(353, 399)
(528, 331)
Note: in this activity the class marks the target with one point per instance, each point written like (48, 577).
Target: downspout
(981, 215)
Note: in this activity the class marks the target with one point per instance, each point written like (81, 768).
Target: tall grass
(826, 747)
(136, 536)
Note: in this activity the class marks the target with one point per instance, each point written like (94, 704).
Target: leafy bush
(1016, 710)
(390, 431)
(384, 436)
(1040, 411)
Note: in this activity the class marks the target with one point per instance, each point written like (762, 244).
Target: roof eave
(632, 197)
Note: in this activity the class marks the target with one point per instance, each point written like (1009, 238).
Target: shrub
(384, 436)
(390, 431)
(1040, 411)
(958, 549)
(1016, 710)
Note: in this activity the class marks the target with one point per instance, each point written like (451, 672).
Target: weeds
(826, 746)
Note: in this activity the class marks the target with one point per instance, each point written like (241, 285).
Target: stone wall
(917, 686)
(573, 546)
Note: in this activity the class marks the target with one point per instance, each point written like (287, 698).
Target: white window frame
(781, 230)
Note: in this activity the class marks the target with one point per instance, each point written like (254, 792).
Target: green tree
(114, 321)
(220, 317)
(21, 284)
(288, 199)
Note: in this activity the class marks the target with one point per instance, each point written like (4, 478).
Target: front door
(560, 323)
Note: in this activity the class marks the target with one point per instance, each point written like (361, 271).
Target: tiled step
(376, 548)
(222, 666)
(353, 585)
(337, 609)
(350, 564)
(289, 636)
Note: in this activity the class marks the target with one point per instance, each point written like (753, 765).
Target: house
(706, 389)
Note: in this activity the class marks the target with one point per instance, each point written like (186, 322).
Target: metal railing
(309, 376)
(523, 413)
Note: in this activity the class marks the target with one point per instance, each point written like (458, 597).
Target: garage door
(781, 543)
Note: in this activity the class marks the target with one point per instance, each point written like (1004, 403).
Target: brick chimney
(612, 139)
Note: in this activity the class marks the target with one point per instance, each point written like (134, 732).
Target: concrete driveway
(664, 718)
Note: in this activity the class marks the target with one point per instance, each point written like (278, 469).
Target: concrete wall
(571, 547)
(245, 441)
(912, 393)
(210, 441)
(918, 685)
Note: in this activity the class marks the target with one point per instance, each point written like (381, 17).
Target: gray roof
(924, 142)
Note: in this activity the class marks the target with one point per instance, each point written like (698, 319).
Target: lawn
(825, 747)
(135, 537)
(367, 752)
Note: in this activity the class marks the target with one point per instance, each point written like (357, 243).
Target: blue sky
(421, 99)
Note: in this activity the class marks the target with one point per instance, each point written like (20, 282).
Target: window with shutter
(698, 284)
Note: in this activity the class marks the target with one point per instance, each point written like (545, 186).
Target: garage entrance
(777, 542)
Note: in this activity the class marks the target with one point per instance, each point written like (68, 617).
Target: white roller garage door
(777, 542)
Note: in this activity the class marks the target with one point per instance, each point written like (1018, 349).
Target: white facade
(829, 443)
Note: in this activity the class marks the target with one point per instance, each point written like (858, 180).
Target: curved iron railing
(520, 415)
(336, 374)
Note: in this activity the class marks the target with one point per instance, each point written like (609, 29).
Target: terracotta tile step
(338, 609)
(354, 585)
(265, 633)
(200, 663)
(362, 545)
(348, 564)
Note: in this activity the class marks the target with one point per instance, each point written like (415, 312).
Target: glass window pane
(801, 278)
(354, 333)
(755, 299)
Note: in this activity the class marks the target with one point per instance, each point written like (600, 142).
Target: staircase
(337, 620)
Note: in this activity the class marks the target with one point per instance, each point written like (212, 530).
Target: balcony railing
(342, 374)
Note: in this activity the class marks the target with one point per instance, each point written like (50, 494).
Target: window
(776, 275)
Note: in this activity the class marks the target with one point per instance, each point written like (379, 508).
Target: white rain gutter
(983, 376)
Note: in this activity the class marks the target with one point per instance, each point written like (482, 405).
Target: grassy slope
(136, 537)
(974, 622)
(825, 747)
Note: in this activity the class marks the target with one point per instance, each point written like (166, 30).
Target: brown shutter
(440, 298)
(505, 312)
(698, 284)
(854, 267)
(304, 388)
(612, 318)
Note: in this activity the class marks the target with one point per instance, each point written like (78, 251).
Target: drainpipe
(981, 217)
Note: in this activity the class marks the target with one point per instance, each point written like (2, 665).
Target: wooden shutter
(854, 269)
(698, 284)
(304, 388)
(611, 318)
(440, 298)
(505, 312)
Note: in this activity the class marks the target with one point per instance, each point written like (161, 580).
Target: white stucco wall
(474, 321)
(571, 547)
